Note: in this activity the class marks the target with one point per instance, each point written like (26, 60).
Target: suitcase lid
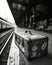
(28, 36)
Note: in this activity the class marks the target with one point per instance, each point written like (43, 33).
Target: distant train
(4, 24)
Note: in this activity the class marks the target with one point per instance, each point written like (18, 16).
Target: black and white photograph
(25, 32)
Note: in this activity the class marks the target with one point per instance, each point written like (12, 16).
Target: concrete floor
(13, 58)
(46, 60)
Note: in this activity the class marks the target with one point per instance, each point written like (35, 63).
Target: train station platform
(16, 57)
(21, 59)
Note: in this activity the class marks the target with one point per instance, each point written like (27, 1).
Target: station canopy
(5, 12)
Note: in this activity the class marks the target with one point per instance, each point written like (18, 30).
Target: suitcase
(32, 46)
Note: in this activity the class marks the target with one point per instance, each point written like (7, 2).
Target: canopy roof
(5, 12)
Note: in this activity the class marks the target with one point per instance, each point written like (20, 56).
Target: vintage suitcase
(31, 45)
